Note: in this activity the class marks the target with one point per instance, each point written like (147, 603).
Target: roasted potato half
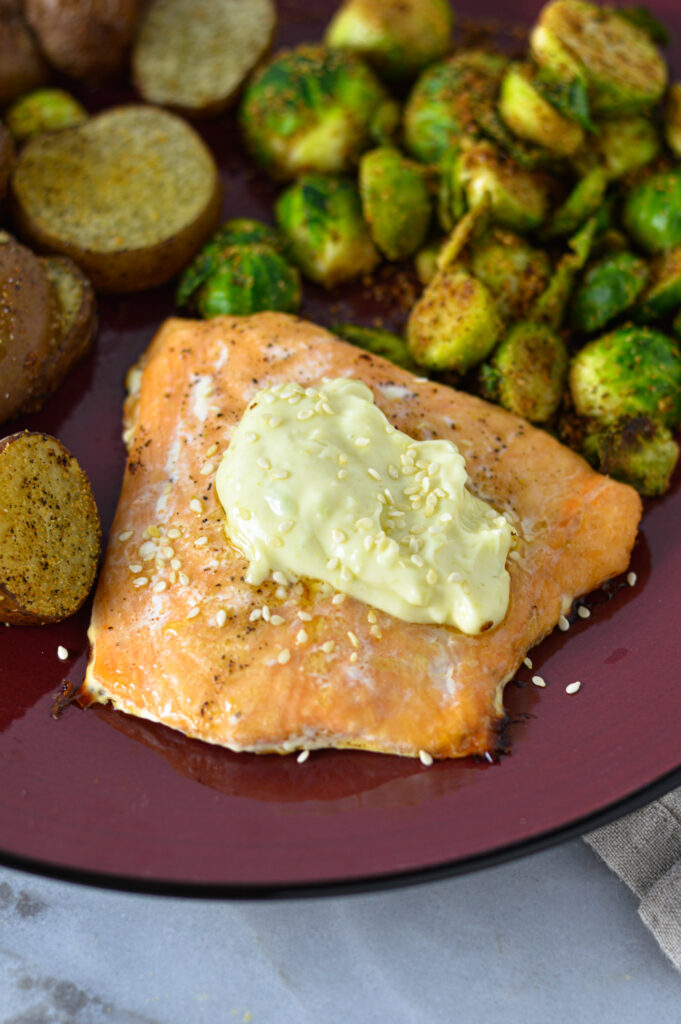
(85, 39)
(50, 534)
(22, 66)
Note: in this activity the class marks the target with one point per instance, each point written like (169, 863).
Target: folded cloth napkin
(644, 849)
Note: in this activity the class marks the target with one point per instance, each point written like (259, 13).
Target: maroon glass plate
(103, 798)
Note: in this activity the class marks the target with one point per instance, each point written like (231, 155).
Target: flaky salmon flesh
(178, 637)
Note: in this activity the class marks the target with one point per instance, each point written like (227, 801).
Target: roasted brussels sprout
(425, 260)
(652, 211)
(514, 271)
(672, 119)
(395, 201)
(311, 109)
(531, 116)
(583, 202)
(609, 286)
(397, 37)
(576, 42)
(240, 231)
(527, 372)
(626, 144)
(455, 324)
(448, 101)
(321, 218)
(43, 110)
(635, 451)
(633, 371)
(247, 279)
(518, 197)
(663, 294)
(380, 342)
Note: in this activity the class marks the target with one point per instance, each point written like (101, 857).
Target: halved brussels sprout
(634, 451)
(626, 144)
(652, 211)
(380, 342)
(527, 372)
(672, 119)
(663, 294)
(397, 37)
(321, 218)
(43, 110)
(514, 271)
(446, 103)
(622, 69)
(585, 200)
(518, 198)
(531, 116)
(609, 287)
(311, 109)
(455, 324)
(248, 279)
(395, 201)
(239, 231)
(633, 371)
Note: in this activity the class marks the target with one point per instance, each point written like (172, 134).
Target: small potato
(22, 66)
(86, 39)
(28, 326)
(50, 534)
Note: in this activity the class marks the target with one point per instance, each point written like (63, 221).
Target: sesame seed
(154, 531)
(275, 421)
(255, 615)
(207, 468)
(373, 473)
(446, 517)
(184, 579)
(563, 623)
(329, 647)
(127, 534)
(135, 567)
(417, 561)
(573, 687)
(286, 526)
(425, 758)
(305, 414)
(364, 523)
(304, 616)
(200, 542)
(251, 436)
(62, 653)
(284, 656)
(140, 581)
(353, 657)
(211, 451)
(538, 681)
(527, 662)
(159, 587)
(371, 615)
(338, 536)
(353, 639)
(368, 543)
(265, 612)
(338, 599)
(631, 579)
(303, 756)
(362, 442)
(326, 408)
(167, 552)
(276, 541)
(221, 617)
(280, 474)
(196, 506)
(376, 631)
(583, 612)
(333, 563)
(454, 577)
(264, 463)
(175, 563)
(393, 472)
(193, 612)
(431, 576)
(174, 533)
(279, 577)
(147, 550)
(277, 620)
(301, 636)
(281, 592)
(341, 474)
(172, 577)
(346, 574)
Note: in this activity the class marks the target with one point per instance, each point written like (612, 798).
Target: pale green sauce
(317, 483)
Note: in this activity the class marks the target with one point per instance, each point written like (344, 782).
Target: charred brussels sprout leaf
(379, 342)
(663, 294)
(652, 212)
(514, 271)
(634, 451)
(585, 200)
(455, 324)
(311, 109)
(551, 306)
(397, 37)
(530, 115)
(321, 217)
(448, 102)
(249, 279)
(527, 372)
(44, 110)
(633, 371)
(609, 287)
(395, 202)
(621, 68)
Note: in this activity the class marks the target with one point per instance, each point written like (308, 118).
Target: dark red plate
(111, 800)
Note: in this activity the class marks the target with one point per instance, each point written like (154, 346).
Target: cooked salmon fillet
(178, 637)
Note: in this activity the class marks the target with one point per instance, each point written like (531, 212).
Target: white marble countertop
(553, 937)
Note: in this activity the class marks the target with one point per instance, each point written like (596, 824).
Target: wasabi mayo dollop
(317, 483)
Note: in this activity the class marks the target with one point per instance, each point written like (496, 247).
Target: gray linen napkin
(644, 849)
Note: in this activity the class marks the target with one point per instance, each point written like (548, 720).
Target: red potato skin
(85, 39)
(22, 65)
